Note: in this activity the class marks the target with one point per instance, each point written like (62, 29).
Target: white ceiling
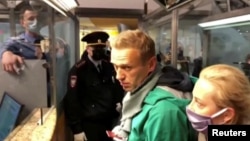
(109, 23)
(87, 23)
(106, 23)
(118, 4)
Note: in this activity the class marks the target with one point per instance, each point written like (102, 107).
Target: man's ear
(152, 63)
(87, 49)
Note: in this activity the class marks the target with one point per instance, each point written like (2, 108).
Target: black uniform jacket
(91, 95)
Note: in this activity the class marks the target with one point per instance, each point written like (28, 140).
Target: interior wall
(112, 34)
(109, 25)
(118, 4)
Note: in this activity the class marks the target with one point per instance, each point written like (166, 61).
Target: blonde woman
(220, 96)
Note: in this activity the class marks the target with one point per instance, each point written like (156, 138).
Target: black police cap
(37, 42)
(96, 38)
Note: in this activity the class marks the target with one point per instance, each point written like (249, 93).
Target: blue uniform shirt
(22, 45)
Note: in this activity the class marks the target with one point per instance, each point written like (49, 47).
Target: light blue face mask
(33, 27)
(59, 54)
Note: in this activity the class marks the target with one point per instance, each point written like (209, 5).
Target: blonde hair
(233, 90)
(136, 39)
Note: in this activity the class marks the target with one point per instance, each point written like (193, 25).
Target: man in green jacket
(154, 106)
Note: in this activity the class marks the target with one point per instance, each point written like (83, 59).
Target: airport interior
(184, 31)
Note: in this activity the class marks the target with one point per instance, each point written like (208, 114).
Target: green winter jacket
(162, 118)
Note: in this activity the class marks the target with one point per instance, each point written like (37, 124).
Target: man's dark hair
(247, 57)
(22, 11)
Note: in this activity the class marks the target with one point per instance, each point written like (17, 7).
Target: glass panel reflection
(228, 45)
(65, 54)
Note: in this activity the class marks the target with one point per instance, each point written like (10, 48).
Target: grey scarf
(132, 103)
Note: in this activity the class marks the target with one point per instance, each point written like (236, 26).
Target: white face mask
(59, 54)
(178, 66)
(33, 27)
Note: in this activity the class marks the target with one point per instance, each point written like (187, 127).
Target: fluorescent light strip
(66, 5)
(227, 26)
(55, 7)
(226, 21)
(71, 4)
(4, 16)
(61, 4)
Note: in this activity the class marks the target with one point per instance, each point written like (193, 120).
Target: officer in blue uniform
(24, 46)
(14, 50)
(93, 92)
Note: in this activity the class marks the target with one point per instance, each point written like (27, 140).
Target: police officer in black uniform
(93, 92)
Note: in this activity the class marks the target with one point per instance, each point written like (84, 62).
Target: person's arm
(72, 107)
(9, 45)
(9, 58)
(166, 124)
(4, 47)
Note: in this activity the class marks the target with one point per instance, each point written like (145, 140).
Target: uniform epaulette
(104, 60)
(15, 38)
(80, 63)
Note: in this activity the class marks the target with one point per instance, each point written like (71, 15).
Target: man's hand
(11, 62)
(118, 107)
(80, 137)
(39, 53)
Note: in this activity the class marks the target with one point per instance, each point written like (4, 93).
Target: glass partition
(65, 53)
(189, 44)
(65, 36)
(162, 37)
(228, 45)
(31, 28)
(188, 40)
(20, 34)
(50, 38)
(4, 30)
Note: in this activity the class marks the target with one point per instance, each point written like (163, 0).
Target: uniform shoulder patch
(80, 63)
(73, 80)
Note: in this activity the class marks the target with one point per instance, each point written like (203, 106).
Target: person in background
(154, 105)
(197, 65)
(221, 96)
(247, 59)
(93, 95)
(14, 50)
(25, 46)
(107, 50)
(62, 68)
(160, 59)
(246, 66)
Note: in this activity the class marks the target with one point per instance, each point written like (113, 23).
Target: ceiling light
(66, 5)
(55, 7)
(228, 26)
(62, 6)
(226, 21)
